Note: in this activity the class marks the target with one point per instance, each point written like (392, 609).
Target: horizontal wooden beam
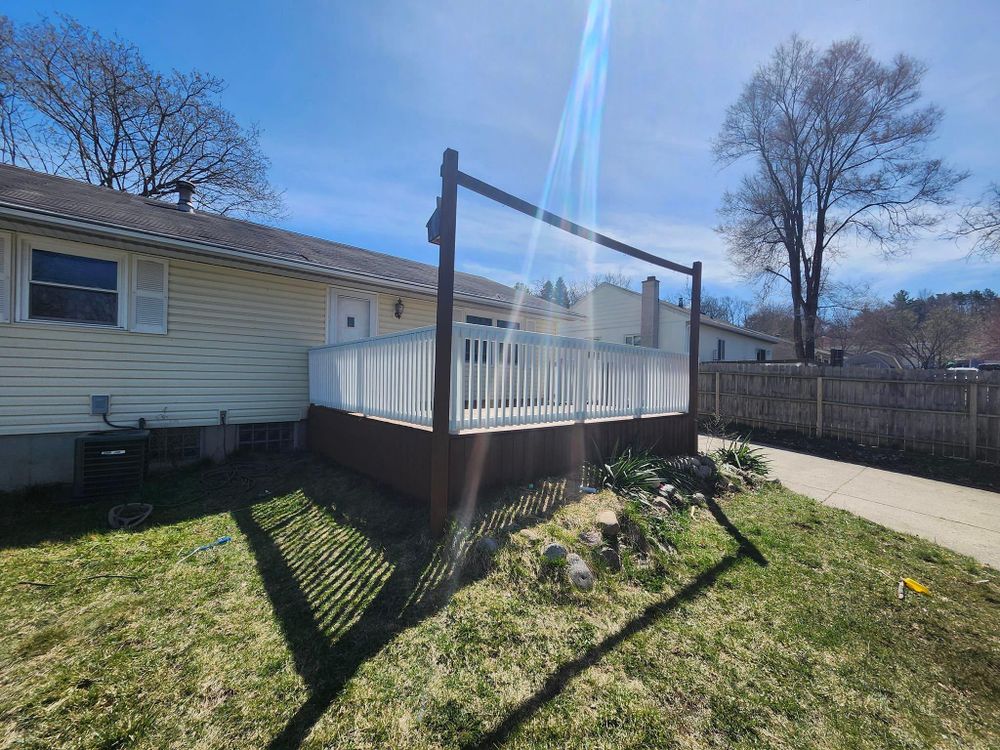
(518, 204)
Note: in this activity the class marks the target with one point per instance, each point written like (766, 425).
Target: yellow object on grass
(917, 586)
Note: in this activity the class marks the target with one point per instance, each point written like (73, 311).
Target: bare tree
(726, 308)
(836, 140)
(981, 221)
(925, 332)
(75, 103)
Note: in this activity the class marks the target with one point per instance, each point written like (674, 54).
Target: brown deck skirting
(398, 455)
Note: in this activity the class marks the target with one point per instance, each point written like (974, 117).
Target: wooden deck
(398, 455)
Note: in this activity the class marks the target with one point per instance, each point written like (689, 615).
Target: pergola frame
(443, 225)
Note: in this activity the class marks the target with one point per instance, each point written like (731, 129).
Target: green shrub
(743, 456)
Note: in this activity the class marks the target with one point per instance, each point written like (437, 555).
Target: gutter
(36, 215)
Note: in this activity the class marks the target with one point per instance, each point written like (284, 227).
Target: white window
(64, 285)
(69, 283)
(720, 349)
(762, 355)
(633, 339)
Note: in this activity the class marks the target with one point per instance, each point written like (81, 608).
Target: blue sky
(357, 100)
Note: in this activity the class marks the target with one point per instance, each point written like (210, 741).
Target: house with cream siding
(617, 315)
(195, 326)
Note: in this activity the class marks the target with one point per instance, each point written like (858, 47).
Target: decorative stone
(667, 490)
(611, 558)
(554, 551)
(578, 572)
(607, 522)
(591, 538)
(698, 498)
(662, 504)
(487, 546)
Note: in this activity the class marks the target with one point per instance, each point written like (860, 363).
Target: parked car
(990, 366)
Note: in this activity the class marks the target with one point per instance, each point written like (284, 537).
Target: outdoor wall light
(399, 307)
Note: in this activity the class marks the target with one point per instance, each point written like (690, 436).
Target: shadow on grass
(558, 680)
(347, 568)
(48, 513)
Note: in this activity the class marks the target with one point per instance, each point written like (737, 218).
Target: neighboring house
(617, 315)
(196, 323)
(784, 349)
(874, 360)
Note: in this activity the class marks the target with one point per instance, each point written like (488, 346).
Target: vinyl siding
(236, 340)
(421, 311)
(612, 313)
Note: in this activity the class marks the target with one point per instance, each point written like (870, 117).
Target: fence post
(973, 419)
(819, 406)
(718, 378)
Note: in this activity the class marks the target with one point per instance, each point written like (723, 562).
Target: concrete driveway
(963, 519)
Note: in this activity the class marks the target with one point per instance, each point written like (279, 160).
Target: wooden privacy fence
(953, 414)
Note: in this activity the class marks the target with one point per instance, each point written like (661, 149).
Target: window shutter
(149, 295)
(6, 257)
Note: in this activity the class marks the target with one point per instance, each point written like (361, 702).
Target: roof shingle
(29, 190)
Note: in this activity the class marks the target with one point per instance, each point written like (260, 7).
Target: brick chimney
(649, 324)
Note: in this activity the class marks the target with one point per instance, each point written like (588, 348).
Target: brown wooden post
(693, 352)
(718, 395)
(440, 419)
(973, 420)
(819, 406)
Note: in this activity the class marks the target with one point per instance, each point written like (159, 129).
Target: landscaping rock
(667, 490)
(554, 551)
(487, 546)
(591, 538)
(578, 572)
(611, 558)
(698, 498)
(662, 504)
(607, 522)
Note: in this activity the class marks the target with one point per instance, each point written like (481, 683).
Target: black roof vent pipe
(185, 191)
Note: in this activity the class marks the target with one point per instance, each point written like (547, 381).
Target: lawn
(333, 620)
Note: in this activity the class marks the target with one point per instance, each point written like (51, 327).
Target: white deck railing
(503, 377)
(500, 378)
(387, 376)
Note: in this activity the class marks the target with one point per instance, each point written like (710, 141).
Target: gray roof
(34, 191)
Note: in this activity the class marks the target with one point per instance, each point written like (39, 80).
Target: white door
(354, 318)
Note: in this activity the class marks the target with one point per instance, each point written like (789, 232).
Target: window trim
(636, 339)
(28, 243)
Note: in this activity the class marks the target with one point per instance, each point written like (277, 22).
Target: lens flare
(570, 187)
